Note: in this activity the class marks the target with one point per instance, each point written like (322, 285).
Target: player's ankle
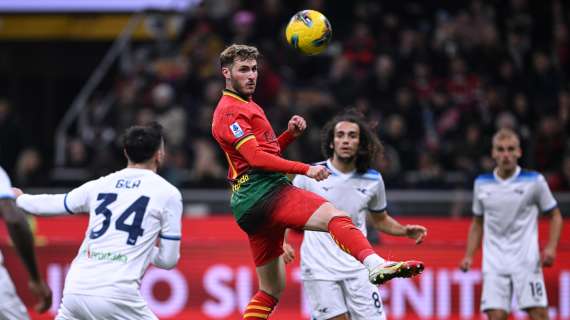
(372, 261)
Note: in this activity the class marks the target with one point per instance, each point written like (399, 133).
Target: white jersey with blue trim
(510, 209)
(128, 211)
(5, 186)
(5, 193)
(357, 194)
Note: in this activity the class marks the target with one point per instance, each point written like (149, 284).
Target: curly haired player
(336, 284)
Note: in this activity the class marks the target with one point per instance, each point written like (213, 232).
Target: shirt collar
(511, 178)
(337, 172)
(231, 93)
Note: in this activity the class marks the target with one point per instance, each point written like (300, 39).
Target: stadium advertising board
(215, 277)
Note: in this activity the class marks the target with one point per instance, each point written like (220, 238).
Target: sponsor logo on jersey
(104, 255)
(236, 130)
(241, 180)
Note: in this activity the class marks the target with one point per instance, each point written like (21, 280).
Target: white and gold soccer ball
(309, 32)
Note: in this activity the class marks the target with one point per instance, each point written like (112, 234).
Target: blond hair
(504, 133)
(238, 52)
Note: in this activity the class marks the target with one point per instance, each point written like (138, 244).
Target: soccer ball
(309, 32)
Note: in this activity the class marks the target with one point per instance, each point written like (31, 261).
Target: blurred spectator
(170, 115)
(144, 116)
(407, 107)
(359, 49)
(389, 166)
(343, 84)
(207, 170)
(561, 181)
(382, 82)
(11, 137)
(175, 170)
(524, 115)
(562, 46)
(97, 124)
(30, 171)
(564, 110)
(77, 154)
(462, 86)
(468, 150)
(243, 23)
(423, 83)
(395, 135)
(518, 47)
(545, 84)
(549, 144)
(507, 79)
(429, 174)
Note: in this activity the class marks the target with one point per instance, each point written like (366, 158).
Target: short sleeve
(477, 204)
(378, 202)
(171, 224)
(235, 128)
(545, 199)
(5, 186)
(77, 200)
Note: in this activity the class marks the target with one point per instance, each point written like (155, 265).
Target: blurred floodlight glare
(93, 5)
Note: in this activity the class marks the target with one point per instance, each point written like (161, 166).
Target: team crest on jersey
(236, 130)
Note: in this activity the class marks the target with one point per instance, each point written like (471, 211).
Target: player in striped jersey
(336, 284)
(11, 307)
(129, 210)
(506, 205)
(264, 202)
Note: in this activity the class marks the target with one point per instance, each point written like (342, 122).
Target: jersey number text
(134, 230)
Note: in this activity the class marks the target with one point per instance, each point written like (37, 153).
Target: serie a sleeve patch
(236, 130)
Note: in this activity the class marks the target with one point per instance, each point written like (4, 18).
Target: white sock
(373, 261)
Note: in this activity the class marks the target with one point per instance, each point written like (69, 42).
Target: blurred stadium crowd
(436, 78)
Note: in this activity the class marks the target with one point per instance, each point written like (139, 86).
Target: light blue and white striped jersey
(510, 209)
(356, 194)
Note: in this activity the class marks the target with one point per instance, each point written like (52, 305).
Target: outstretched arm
(260, 159)
(549, 251)
(384, 223)
(75, 201)
(473, 242)
(23, 240)
(43, 204)
(257, 158)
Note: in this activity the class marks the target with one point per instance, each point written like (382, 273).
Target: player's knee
(333, 212)
(338, 213)
(496, 315)
(274, 289)
(537, 313)
(323, 216)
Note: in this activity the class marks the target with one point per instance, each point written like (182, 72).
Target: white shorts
(355, 296)
(84, 307)
(11, 307)
(528, 289)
